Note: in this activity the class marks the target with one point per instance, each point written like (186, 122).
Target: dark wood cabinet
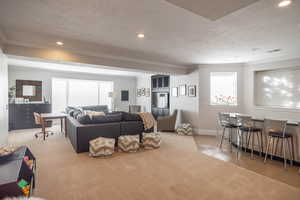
(160, 83)
(21, 115)
(160, 95)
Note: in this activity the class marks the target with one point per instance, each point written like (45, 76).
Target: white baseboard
(206, 132)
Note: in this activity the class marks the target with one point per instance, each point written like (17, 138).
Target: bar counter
(292, 128)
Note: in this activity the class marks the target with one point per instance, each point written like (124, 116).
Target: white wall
(260, 111)
(208, 113)
(120, 82)
(144, 81)
(3, 99)
(188, 107)
(197, 110)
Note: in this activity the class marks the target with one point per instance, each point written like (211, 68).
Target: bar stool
(276, 130)
(248, 129)
(224, 121)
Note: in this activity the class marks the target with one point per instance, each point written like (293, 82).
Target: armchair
(167, 123)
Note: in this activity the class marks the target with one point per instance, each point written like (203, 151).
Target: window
(223, 88)
(277, 88)
(76, 92)
(83, 93)
(59, 95)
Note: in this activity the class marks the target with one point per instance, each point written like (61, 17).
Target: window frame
(235, 89)
(67, 80)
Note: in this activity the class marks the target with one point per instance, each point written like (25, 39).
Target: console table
(14, 171)
(21, 115)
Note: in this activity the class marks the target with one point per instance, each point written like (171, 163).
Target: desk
(49, 116)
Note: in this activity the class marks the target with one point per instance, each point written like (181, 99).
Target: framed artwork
(148, 92)
(192, 90)
(182, 90)
(29, 89)
(124, 95)
(138, 93)
(175, 92)
(143, 92)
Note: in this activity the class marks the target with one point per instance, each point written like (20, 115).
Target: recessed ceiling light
(141, 35)
(284, 3)
(59, 43)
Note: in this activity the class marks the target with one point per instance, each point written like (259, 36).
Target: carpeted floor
(175, 171)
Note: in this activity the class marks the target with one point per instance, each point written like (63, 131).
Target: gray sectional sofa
(81, 129)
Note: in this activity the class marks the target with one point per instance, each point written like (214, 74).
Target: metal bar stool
(224, 121)
(248, 130)
(276, 131)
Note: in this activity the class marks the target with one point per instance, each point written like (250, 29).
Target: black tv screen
(124, 95)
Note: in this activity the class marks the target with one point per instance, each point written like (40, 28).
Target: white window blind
(83, 93)
(76, 92)
(59, 95)
(223, 88)
(277, 88)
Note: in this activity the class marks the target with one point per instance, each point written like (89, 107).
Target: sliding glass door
(77, 92)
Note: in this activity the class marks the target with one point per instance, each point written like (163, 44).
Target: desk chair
(39, 121)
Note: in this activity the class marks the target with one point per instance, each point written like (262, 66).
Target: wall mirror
(29, 89)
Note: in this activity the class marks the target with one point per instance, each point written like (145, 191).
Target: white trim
(206, 132)
(277, 109)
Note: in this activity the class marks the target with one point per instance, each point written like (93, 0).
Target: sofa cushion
(98, 108)
(130, 117)
(106, 118)
(84, 119)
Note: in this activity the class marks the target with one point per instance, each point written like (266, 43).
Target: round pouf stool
(185, 129)
(102, 147)
(151, 140)
(129, 143)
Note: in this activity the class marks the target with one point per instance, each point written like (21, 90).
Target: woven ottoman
(129, 143)
(151, 140)
(102, 147)
(185, 129)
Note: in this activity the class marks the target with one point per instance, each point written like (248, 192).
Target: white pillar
(3, 99)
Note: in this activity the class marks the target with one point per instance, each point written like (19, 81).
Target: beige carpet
(175, 171)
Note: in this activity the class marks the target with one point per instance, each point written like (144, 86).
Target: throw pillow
(83, 119)
(92, 113)
(107, 118)
(76, 113)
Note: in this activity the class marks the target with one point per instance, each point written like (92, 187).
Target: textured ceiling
(212, 9)
(173, 35)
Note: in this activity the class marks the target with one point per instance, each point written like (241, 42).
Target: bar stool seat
(280, 135)
(231, 126)
(252, 129)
